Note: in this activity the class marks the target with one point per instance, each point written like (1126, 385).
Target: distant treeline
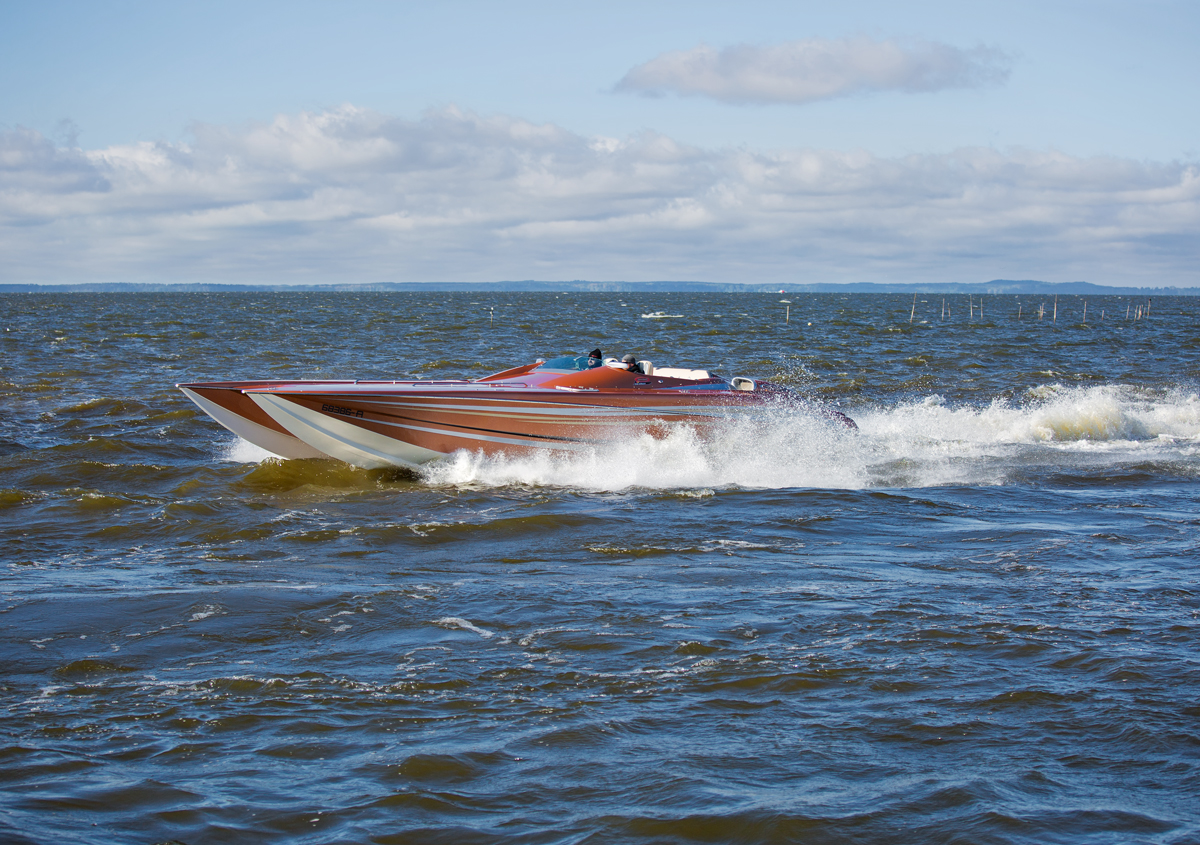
(997, 286)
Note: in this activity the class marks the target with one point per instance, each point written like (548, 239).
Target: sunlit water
(974, 620)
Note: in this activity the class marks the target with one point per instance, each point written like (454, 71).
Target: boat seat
(739, 383)
(680, 372)
(647, 367)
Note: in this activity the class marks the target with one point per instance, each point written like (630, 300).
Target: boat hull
(226, 403)
(411, 429)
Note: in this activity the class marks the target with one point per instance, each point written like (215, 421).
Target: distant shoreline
(995, 287)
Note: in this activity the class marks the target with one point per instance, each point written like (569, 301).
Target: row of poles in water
(1132, 312)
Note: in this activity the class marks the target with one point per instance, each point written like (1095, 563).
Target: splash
(239, 451)
(926, 443)
(791, 451)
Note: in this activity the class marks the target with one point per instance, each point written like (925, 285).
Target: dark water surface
(975, 621)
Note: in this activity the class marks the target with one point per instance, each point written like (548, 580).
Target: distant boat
(659, 315)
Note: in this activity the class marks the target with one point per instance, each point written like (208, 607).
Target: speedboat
(568, 403)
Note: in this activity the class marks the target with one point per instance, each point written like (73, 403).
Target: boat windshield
(569, 362)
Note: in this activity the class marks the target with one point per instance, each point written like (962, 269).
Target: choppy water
(974, 621)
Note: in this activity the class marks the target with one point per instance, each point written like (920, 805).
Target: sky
(777, 142)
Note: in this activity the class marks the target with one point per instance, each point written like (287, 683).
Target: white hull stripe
(346, 441)
(275, 442)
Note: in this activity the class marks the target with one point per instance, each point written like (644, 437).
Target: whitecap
(459, 622)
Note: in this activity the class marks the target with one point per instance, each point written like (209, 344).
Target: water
(975, 620)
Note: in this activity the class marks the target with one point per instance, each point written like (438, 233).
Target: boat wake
(928, 443)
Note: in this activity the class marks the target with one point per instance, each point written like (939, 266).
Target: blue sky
(463, 141)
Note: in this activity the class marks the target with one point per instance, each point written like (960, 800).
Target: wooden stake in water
(943, 307)
(1056, 308)
(913, 311)
(1085, 312)
(1018, 311)
(788, 315)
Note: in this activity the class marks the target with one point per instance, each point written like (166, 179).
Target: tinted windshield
(569, 362)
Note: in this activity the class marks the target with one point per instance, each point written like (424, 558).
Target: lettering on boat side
(337, 409)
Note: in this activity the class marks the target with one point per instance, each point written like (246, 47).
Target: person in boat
(631, 363)
(595, 359)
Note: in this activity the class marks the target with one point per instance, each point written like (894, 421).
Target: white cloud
(352, 195)
(815, 69)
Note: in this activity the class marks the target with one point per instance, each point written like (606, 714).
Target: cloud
(31, 162)
(353, 195)
(816, 69)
